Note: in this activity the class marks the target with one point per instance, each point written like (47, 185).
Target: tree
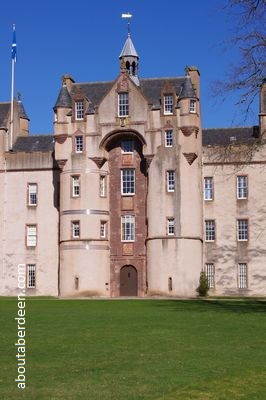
(245, 78)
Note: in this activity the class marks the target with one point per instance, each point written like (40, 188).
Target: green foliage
(203, 287)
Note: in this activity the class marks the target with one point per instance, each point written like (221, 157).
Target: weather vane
(127, 16)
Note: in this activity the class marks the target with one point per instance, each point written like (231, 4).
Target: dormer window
(168, 104)
(123, 104)
(79, 110)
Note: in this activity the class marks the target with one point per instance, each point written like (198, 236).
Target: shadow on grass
(244, 306)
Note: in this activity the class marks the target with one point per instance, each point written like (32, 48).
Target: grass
(136, 350)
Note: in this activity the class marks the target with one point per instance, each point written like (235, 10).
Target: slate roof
(187, 89)
(34, 143)
(225, 136)
(4, 110)
(95, 91)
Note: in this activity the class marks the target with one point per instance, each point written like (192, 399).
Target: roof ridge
(232, 127)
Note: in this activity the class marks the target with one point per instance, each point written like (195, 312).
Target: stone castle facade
(130, 196)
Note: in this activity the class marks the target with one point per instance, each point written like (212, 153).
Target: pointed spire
(187, 89)
(128, 49)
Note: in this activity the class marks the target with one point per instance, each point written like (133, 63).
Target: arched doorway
(128, 281)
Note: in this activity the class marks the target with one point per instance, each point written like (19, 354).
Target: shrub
(203, 287)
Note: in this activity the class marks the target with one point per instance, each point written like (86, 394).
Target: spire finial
(127, 16)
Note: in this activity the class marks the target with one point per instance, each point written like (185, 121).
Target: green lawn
(136, 350)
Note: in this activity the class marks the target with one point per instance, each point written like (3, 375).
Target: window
(128, 228)
(170, 175)
(170, 226)
(31, 276)
(192, 106)
(123, 104)
(210, 271)
(79, 144)
(168, 138)
(75, 229)
(242, 229)
(32, 194)
(242, 276)
(75, 186)
(168, 104)
(31, 239)
(127, 146)
(79, 109)
(103, 226)
(242, 187)
(208, 188)
(209, 230)
(128, 181)
(102, 185)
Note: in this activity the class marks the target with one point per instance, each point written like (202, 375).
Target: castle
(130, 196)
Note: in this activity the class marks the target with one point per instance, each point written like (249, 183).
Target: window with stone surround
(168, 138)
(242, 187)
(31, 235)
(242, 230)
(210, 273)
(170, 226)
(31, 276)
(127, 181)
(75, 229)
(170, 178)
(242, 276)
(208, 188)
(123, 104)
(32, 194)
(210, 230)
(128, 228)
(79, 110)
(168, 104)
(75, 186)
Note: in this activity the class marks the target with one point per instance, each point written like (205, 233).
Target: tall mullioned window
(32, 194)
(208, 188)
(128, 181)
(210, 273)
(31, 276)
(79, 110)
(128, 228)
(242, 187)
(210, 230)
(123, 104)
(242, 276)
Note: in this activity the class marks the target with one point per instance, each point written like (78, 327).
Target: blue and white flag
(14, 45)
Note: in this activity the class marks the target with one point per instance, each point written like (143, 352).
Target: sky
(84, 39)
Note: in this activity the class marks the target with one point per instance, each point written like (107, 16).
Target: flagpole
(14, 55)
(12, 105)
